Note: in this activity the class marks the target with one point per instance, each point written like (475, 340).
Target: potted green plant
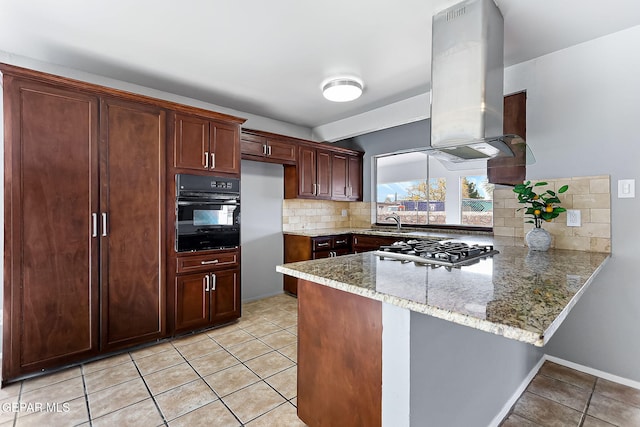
(541, 207)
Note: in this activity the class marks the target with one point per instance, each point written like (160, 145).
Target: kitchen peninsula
(382, 342)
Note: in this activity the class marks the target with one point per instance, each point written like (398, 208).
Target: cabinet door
(323, 177)
(192, 302)
(281, 151)
(354, 181)
(132, 219)
(191, 143)
(225, 295)
(252, 146)
(51, 175)
(306, 172)
(340, 176)
(225, 148)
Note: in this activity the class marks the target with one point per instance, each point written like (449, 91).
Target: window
(422, 191)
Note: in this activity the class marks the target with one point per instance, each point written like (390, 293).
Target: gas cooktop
(436, 252)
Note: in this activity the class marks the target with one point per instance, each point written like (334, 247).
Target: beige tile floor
(245, 374)
(560, 396)
(237, 375)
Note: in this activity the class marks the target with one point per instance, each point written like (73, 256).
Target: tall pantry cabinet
(84, 214)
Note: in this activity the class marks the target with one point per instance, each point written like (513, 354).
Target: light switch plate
(573, 218)
(626, 188)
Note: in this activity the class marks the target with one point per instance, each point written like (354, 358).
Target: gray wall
(582, 120)
(582, 115)
(261, 229)
(399, 138)
(463, 377)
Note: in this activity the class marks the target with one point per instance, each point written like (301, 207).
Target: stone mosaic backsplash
(301, 214)
(590, 195)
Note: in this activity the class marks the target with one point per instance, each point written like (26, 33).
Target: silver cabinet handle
(213, 282)
(104, 224)
(317, 189)
(341, 242)
(314, 189)
(206, 160)
(94, 225)
(206, 282)
(215, 261)
(268, 150)
(264, 149)
(322, 245)
(213, 160)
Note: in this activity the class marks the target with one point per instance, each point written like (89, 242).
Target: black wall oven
(207, 213)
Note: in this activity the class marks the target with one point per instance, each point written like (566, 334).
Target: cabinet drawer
(322, 243)
(340, 242)
(187, 264)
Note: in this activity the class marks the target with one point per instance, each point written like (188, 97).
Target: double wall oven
(207, 213)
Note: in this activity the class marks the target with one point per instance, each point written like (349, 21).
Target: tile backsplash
(590, 195)
(301, 214)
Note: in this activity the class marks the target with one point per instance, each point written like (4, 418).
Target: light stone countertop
(387, 231)
(519, 294)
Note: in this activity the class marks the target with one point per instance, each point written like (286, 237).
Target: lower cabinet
(209, 296)
(304, 248)
(365, 242)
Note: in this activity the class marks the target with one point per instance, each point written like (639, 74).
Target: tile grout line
(153, 398)
(86, 395)
(205, 381)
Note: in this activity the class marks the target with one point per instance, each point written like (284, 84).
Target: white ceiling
(270, 57)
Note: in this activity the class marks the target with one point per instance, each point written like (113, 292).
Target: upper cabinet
(313, 173)
(324, 172)
(266, 147)
(511, 170)
(206, 145)
(346, 182)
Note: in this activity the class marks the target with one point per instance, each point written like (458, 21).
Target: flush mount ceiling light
(342, 89)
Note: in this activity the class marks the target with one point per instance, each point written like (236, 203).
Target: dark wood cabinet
(313, 173)
(51, 248)
(87, 175)
(207, 289)
(132, 250)
(365, 243)
(86, 220)
(206, 145)
(266, 147)
(346, 177)
(304, 248)
(512, 170)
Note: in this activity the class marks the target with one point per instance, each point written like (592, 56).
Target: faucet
(396, 218)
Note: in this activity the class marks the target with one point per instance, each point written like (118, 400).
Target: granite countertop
(519, 294)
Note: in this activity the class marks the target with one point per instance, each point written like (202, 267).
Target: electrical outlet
(573, 218)
(344, 212)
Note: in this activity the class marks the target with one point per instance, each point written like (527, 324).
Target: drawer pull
(215, 261)
(341, 242)
(322, 245)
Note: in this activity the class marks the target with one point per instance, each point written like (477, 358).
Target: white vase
(538, 239)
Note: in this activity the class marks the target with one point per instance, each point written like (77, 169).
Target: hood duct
(467, 71)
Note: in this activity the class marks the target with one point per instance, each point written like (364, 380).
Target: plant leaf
(538, 184)
(563, 189)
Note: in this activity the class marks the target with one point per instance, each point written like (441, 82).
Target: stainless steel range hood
(467, 71)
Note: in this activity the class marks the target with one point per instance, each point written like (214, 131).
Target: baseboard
(516, 394)
(271, 294)
(594, 372)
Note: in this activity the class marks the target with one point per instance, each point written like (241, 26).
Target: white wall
(262, 193)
